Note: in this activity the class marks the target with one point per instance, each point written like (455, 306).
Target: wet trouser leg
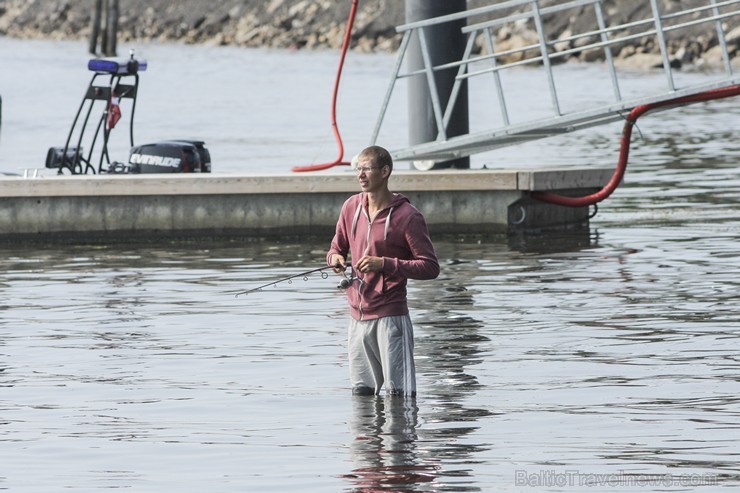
(381, 351)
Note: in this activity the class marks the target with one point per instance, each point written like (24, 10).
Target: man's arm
(423, 263)
(337, 254)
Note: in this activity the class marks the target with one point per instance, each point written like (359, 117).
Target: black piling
(446, 43)
(104, 28)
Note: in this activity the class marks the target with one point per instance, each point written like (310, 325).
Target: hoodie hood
(363, 205)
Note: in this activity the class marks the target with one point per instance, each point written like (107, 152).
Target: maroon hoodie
(398, 234)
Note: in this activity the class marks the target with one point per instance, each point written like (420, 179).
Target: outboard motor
(170, 156)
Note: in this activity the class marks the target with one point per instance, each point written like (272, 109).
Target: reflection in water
(554, 241)
(384, 451)
(450, 343)
(391, 450)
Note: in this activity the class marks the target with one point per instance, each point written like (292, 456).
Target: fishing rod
(343, 284)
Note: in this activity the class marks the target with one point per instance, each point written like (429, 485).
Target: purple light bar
(117, 66)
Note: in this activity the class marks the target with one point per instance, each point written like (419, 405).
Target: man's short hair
(378, 155)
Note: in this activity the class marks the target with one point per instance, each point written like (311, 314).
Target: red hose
(624, 149)
(345, 47)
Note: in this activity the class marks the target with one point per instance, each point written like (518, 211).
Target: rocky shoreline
(317, 24)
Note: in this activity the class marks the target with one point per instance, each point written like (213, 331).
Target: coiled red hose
(345, 46)
(624, 149)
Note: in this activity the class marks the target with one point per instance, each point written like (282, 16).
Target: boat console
(122, 85)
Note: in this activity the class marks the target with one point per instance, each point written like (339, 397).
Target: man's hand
(370, 264)
(338, 263)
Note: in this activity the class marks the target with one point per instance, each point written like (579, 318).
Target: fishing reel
(347, 282)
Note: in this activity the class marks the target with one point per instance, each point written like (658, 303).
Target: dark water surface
(599, 360)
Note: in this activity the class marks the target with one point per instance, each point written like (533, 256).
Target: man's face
(369, 176)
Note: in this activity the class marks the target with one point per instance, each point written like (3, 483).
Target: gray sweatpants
(382, 351)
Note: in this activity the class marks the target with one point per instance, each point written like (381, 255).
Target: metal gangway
(546, 54)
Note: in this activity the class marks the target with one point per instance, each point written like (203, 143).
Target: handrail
(461, 15)
(570, 51)
(526, 15)
(542, 51)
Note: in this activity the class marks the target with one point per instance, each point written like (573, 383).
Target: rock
(640, 61)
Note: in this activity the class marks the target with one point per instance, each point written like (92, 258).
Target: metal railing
(544, 53)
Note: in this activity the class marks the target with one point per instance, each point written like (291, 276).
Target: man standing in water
(388, 241)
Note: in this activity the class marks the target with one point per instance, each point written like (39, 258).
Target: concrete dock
(129, 207)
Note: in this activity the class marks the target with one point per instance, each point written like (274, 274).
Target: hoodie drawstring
(357, 217)
(387, 224)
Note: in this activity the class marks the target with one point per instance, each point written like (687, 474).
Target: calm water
(604, 360)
